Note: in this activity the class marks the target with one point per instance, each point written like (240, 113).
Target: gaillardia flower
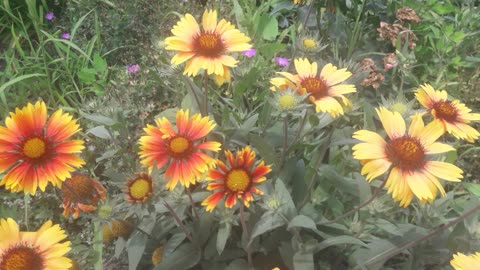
(35, 152)
(324, 90)
(206, 48)
(117, 228)
(405, 156)
(40, 250)
(181, 149)
(453, 115)
(237, 179)
(461, 261)
(139, 189)
(81, 194)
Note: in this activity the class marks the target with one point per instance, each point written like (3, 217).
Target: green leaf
(473, 188)
(265, 149)
(267, 222)
(286, 203)
(100, 132)
(185, 257)
(238, 264)
(87, 75)
(19, 79)
(270, 31)
(99, 63)
(239, 14)
(173, 243)
(135, 247)
(99, 119)
(303, 261)
(302, 221)
(338, 240)
(222, 236)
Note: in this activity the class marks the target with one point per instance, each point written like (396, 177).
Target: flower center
(445, 110)
(34, 148)
(179, 146)
(405, 152)
(315, 86)
(309, 43)
(208, 44)
(238, 180)
(21, 258)
(140, 188)
(286, 102)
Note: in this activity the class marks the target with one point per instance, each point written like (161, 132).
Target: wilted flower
(133, 68)
(406, 14)
(49, 16)
(390, 61)
(249, 53)
(393, 31)
(282, 61)
(66, 35)
(374, 77)
(81, 194)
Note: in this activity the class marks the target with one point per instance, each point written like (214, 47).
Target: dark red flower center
(315, 86)
(406, 153)
(446, 111)
(21, 258)
(209, 44)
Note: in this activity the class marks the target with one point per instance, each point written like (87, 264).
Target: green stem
(245, 234)
(179, 222)
(194, 209)
(98, 245)
(205, 109)
(26, 206)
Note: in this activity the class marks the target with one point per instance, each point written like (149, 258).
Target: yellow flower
(157, 255)
(139, 189)
(453, 115)
(324, 90)
(40, 250)
(463, 262)
(36, 151)
(206, 48)
(404, 154)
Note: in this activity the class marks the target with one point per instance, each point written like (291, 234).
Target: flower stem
(179, 222)
(245, 234)
(194, 209)
(26, 206)
(98, 245)
(205, 109)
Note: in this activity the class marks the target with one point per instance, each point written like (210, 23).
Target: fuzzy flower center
(238, 180)
(406, 152)
(208, 44)
(309, 43)
(286, 102)
(21, 258)
(315, 86)
(79, 188)
(445, 110)
(179, 145)
(34, 148)
(140, 188)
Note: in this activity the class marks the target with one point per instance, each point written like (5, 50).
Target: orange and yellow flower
(405, 156)
(81, 194)
(181, 149)
(139, 189)
(325, 88)
(237, 179)
(36, 152)
(40, 250)
(206, 48)
(461, 261)
(453, 115)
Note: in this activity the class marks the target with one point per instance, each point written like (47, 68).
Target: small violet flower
(66, 35)
(133, 68)
(49, 16)
(249, 53)
(282, 61)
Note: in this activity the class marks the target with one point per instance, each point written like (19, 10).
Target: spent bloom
(81, 194)
(65, 35)
(40, 250)
(132, 69)
(206, 48)
(249, 53)
(453, 115)
(283, 62)
(324, 88)
(405, 155)
(182, 149)
(461, 261)
(49, 16)
(36, 151)
(236, 179)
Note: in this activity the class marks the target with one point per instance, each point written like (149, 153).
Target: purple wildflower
(282, 61)
(66, 35)
(133, 68)
(249, 53)
(49, 16)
